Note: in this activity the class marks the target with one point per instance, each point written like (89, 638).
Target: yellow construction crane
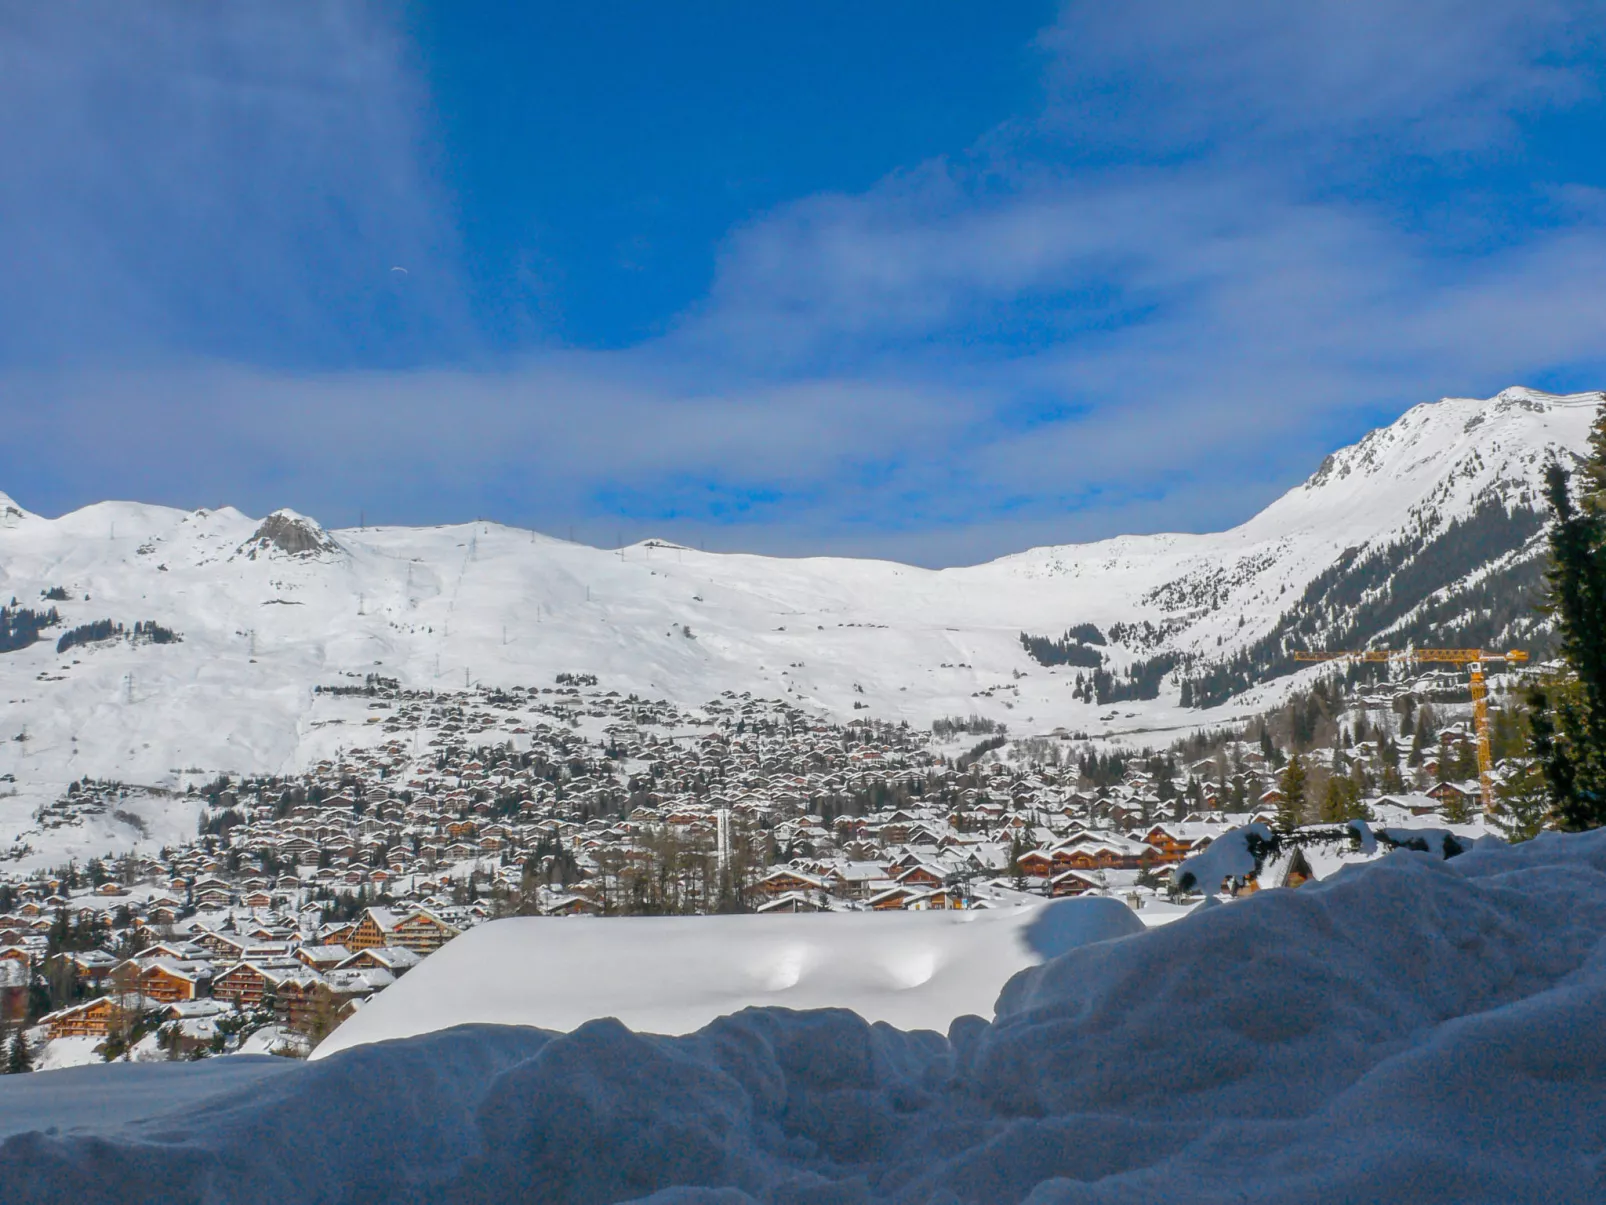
(1474, 660)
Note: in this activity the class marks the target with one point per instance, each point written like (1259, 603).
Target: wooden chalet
(792, 901)
(422, 932)
(322, 958)
(1071, 883)
(943, 899)
(922, 876)
(168, 980)
(373, 928)
(784, 879)
(93, 1018)
(894, 899)
(246, 983)
(1036, 863)
(398, 960)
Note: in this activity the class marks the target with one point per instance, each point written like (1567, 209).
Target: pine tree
(1523, 804)
(1292, 785)
(19, 1058)
(1593, 471)
(1568, 717)
(1342, 801)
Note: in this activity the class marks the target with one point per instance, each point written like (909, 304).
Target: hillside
(195, 639)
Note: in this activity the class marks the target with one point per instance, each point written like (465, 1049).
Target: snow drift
(672, 975)
(1412, 1030)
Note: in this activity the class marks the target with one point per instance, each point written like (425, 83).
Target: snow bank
(673, 975)
(1232, 855)
(1414, 1030)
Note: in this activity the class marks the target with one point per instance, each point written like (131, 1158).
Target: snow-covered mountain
(1428, 530)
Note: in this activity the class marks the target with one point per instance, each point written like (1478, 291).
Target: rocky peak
(288, 534)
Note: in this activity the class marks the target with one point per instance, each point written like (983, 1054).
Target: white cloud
(1212, 311)
(217, 179)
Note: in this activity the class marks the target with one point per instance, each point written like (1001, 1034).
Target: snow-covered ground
(1411, 1030)
(673, 975)
(261, 627)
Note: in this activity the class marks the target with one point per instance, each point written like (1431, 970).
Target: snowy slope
(268, 611)
(1410, 1031)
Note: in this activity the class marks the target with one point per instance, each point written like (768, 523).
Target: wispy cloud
(1151, 304)
(227, 180)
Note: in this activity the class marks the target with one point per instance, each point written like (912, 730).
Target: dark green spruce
(1569, 713)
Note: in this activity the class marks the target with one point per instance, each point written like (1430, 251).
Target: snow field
(1412, 1030)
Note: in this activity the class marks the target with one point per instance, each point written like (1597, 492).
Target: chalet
(167, 980)
(921, 876)
(784, 879)
(302, 999)
(93, 1018)
(1299, 871)
(373, 928)
(893, 899)
(14, 980)
(422, 932)
(572, 905)
(1071, 883)
(793, 901)
(335, 935)
(1088, 852)
(1417, 805)
(1174, 842)
(246, 983)
(1037, 863)
(1450, 793)
(322, 958)
(91, 967)
(356, 983)
(397, 960)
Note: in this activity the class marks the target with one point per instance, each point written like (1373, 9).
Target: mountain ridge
(1432, 524)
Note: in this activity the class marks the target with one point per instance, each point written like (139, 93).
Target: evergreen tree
(1391, 782)
(1568, 717)
(1458, 809)
(1292, 785)
(19, 1058)
(1342, 801)
(1594, 468)
(1522, 804)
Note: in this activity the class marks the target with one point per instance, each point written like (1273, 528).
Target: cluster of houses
(302, 897)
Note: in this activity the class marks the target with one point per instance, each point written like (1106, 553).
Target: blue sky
(937, 282)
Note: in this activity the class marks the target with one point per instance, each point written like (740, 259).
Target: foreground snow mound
(1412, 1030)
(673, 975)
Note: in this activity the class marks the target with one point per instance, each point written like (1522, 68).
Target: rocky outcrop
(288, 534)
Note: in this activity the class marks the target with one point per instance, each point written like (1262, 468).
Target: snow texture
(269, 610)
(673, 975)
(1414, 1030)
